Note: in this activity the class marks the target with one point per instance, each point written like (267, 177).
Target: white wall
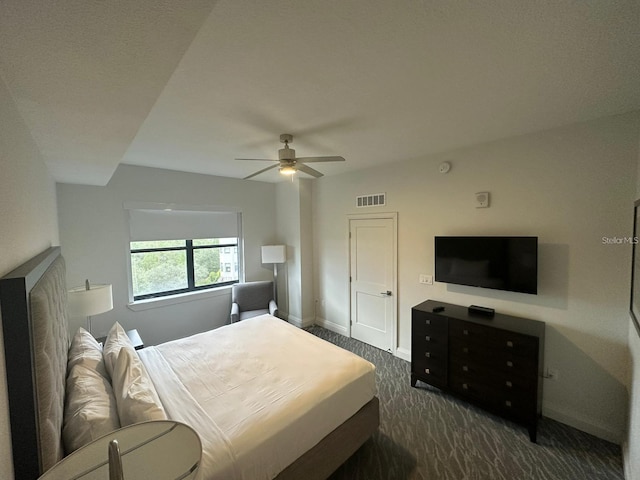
(94, 233)
(288, 225)
(570, 187)
(631, 447)
(295, 230)
(28, 217)
(306, 251)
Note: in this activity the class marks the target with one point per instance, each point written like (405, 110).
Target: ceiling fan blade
(260, 171)
(320, 159)
(308, 170)
(258, 159)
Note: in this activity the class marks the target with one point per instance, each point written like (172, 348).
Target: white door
(373, 280)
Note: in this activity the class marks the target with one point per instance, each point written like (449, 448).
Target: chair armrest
(273, 308)
(235, 312)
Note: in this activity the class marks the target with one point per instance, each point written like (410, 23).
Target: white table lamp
(274, 254)
(90, 300)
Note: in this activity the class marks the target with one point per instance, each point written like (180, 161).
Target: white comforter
(259, 392)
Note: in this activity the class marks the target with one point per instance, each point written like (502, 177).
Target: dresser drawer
(506, 382)
(434, 373)
(430, 343)
(499, 359)
(434, 357)
(510, 404)
(515, 344)
(425, 323)
(429, 348)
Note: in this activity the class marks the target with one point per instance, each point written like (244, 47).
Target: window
(168, 267)
(178, 251)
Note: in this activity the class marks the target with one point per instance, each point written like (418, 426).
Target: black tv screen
(501, 263)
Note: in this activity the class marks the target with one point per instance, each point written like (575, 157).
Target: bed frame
(33, 301)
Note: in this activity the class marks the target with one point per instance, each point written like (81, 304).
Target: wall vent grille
(371, 200)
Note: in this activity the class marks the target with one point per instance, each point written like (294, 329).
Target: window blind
(154, 224)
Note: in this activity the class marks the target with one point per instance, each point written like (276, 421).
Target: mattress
(259, 392)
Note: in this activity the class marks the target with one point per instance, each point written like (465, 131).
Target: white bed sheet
(259, 392)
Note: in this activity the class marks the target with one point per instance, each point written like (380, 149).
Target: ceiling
(192, 85)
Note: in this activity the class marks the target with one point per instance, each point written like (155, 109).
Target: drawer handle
(427, 371)
(427, 354)
(465, 386)
(427, 338)
(465, 332)
(428, 322)
(508, 384)
(509, 344)
(465, 368)
(508, 403)
(509, 363)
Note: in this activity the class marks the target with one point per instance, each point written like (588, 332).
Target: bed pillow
(90, 407)
(136, 396)
(116, 339)
(85, 350)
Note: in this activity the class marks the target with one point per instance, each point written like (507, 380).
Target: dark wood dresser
(494, 361)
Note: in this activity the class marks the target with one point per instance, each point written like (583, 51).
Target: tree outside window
(168, 267)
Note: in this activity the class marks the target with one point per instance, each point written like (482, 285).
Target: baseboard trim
(403, 353)
(300, 323)
(600, 431)
(334, 327)
(626, 461)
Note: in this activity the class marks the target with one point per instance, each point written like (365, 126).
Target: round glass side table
(156, 450)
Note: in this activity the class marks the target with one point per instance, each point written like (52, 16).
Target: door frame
(374, 216)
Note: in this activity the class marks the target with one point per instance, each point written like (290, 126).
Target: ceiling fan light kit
(288, 164)
(288, 170)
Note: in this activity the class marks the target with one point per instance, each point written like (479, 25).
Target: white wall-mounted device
(482, 200)
(444, 167)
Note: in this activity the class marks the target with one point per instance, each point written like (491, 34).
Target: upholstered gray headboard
(33, 301)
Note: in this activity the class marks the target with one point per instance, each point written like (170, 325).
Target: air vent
(373, 200)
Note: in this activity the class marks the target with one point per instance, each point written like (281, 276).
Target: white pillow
(90, 408)
(136, 396)
(85, 350)
(116, 339)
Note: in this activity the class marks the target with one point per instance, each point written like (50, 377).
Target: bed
(36, 339)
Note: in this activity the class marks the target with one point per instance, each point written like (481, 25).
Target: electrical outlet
(426, 279)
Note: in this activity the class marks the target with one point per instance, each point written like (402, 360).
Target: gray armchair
(251, 299)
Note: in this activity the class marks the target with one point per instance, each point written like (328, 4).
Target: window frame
(189, 250)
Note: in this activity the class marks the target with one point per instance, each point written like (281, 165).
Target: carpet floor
(426, 434)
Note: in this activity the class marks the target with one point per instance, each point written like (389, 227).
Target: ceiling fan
(288, 163)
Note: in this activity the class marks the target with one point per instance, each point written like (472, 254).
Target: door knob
(386, 294)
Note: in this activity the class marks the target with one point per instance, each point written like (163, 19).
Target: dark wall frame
(15, 289)
(634, 303)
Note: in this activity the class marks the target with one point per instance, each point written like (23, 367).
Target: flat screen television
(501, 263)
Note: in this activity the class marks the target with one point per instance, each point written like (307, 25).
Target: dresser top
(525, 326)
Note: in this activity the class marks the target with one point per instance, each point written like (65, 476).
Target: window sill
(140, 305)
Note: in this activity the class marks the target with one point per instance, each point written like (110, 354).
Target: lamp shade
(85, 303)
(274, 254)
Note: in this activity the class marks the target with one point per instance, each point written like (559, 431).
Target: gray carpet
(426, 434)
